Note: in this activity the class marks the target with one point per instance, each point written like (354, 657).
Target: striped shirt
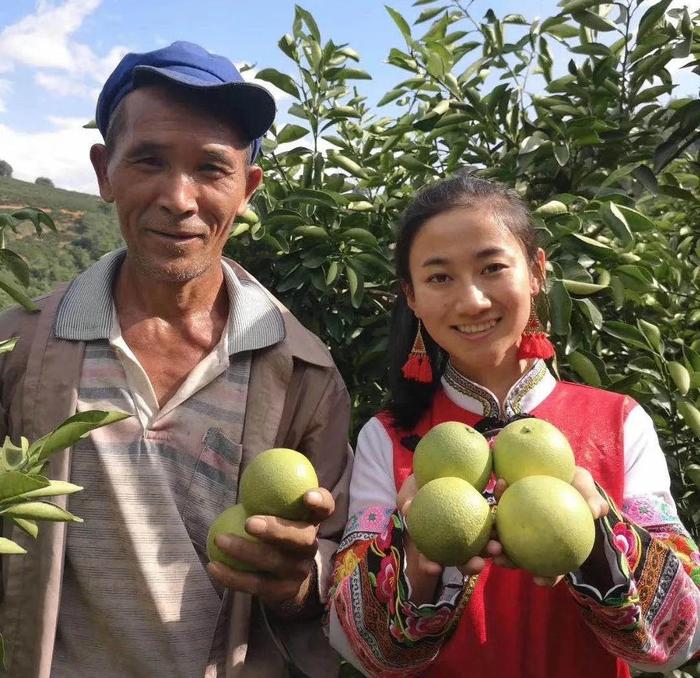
(137, 600)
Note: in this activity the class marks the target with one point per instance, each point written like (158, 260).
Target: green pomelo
(545, 526)
(449, 521)
(230, 521)
(275, 482)
(453, 449)
(532, 447)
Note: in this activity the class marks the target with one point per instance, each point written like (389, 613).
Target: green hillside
(87, 229)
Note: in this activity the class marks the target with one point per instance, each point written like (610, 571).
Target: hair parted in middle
(408, 400)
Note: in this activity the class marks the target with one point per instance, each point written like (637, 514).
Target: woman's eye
(438, 278)
(494, 268)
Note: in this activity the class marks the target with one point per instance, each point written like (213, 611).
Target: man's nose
(178, 194)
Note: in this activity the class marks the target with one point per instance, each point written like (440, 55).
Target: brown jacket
(296, 399)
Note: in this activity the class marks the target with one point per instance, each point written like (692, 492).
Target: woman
(468, 347)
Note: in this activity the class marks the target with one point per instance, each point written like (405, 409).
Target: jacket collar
(528, 392)
(256, 319)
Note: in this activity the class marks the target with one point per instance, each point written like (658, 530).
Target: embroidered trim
(534, 376)
(469, 388)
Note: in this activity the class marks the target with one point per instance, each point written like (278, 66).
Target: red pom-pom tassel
(535, 345)
(417, 368)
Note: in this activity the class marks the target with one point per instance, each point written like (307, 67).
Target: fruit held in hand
(274, 483)
(449, 521)
(531, 447)
(230, 521)
(453, 449)
(545, 526)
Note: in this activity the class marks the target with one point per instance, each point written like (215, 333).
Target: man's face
(178, 178)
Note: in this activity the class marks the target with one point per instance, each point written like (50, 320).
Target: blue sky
(54, 55)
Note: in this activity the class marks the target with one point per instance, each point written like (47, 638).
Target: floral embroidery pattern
(370, 594)
(647, 608)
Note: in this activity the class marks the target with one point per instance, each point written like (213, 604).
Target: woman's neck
(499, 379)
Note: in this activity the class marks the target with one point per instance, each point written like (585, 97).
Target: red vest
(511, 627)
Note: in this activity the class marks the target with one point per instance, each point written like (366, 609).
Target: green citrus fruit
(545, 525)
(274, 484)
(532, 447)
(230, 521)
(453, 449)
(449, 521)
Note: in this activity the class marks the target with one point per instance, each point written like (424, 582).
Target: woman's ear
(538, 272)
(407, 289)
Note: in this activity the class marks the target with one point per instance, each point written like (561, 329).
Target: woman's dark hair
(410, 399)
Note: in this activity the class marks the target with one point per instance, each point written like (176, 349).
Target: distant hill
(87, 229)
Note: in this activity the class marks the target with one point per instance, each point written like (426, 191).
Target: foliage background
(576, 111)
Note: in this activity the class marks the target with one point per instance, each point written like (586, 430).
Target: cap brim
(252, 105)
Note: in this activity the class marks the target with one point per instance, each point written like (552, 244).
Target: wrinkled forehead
(155, 109)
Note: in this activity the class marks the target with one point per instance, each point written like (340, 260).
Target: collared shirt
(136, 599)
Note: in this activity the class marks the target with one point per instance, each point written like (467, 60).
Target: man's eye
(149, 161)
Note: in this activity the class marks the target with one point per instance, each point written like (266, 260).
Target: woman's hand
(584, 483)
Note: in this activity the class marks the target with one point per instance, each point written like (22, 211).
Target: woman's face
(471, 286)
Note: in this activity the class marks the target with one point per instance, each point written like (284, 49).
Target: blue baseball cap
(191, 66)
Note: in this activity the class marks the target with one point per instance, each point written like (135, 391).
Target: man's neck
(138, 293)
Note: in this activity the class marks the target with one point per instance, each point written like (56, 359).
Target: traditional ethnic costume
(635, 600)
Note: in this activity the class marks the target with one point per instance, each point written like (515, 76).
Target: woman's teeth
(473, 329)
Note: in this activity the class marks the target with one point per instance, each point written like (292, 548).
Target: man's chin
(176, 270)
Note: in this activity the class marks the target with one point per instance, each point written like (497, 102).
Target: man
(214, 371)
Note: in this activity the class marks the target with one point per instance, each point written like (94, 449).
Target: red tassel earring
(417, 366)
(534, 342)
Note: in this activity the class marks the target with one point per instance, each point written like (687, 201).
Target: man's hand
(283, 558)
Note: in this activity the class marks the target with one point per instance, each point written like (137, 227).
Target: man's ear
(538, 272)
(99, 159)
(254, 175)
(407, 289)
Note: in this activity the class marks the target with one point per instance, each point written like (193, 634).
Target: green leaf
(428, 14)
(311, 231)
(680, 376)
(400, 22)
(348, 165)
(280, 80)
(627, 334)
(27, 526)
(651, 17)
(691, 416)
(71, 430)
(585, 368)
(360, 235)
(561, 305)
(39, 510)
(55, 488)
(291, 133)
(307, 18)
(332, 273)
(38, 217)
(582, 289)
(636, 220)
(561, 154)
(592, 20)
(8, 284)
(14, 483)
(617, 222)
(8, 344)
(551, 208)
(17, 266)
(391, 95)
(598, 248)
(347, 74)
(651, 332)
(8, 547)
(306, 195)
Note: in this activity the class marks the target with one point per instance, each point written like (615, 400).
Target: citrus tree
(576, 112)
